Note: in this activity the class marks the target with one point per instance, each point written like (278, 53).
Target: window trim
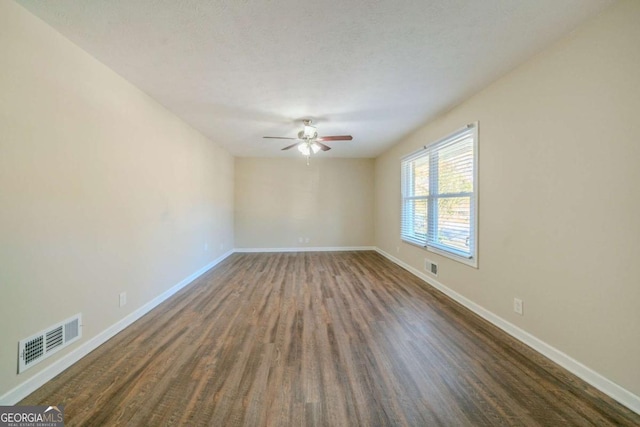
(474, 211)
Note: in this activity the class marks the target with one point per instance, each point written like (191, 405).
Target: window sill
(471, 262)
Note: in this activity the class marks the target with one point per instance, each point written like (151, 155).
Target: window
(439, 196)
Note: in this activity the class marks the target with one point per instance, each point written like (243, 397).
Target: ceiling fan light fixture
(308, 147)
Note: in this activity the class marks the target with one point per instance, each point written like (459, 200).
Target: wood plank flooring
(305, 339)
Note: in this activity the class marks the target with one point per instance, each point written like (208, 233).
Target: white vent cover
(431, 266)
(43, 344)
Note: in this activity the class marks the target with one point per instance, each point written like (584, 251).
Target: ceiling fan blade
(278, 137)
(290, 146)
(336, 138)
(322, 146)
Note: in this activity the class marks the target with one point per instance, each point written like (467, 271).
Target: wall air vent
(54, 338)
(39, 346)
(33, 349)
(431, 266)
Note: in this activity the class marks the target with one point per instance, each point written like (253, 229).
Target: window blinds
(439, 195)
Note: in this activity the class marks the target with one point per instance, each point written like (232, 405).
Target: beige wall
(559, 196)
(278, 201)
(101, 191)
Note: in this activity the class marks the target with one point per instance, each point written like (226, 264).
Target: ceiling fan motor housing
(309, 132)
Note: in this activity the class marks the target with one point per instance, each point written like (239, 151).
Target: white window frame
(408, 196)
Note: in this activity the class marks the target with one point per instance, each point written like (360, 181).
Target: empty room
(340, 213)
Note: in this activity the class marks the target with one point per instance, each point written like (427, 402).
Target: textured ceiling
(240, 69)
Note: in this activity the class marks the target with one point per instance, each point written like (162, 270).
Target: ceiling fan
(310, 143)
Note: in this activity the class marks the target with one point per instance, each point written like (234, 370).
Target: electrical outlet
(300, 240)
(221, 246)
(518, 306)
(123, 299)
(397, 249)
(306, 240)
(206, 246)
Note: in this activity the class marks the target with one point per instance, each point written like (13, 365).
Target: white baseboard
(309, 249)
(18, 393)
(600, 382)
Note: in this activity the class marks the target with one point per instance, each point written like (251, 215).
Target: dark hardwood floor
(334, 338)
